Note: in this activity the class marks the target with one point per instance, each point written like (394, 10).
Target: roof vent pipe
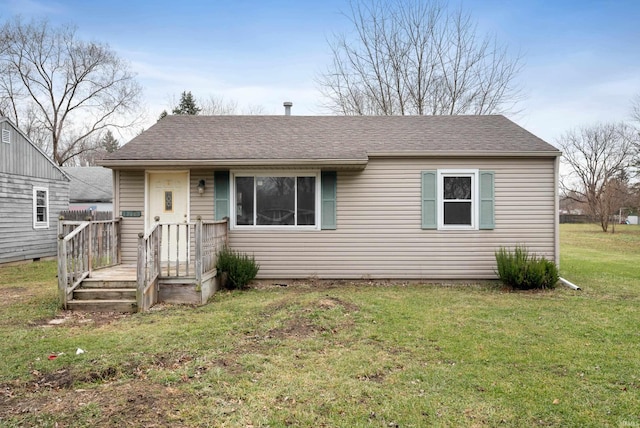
(287, 108)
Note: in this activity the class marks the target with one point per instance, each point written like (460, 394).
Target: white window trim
(273, 173)
(40, 224)
(475, 194)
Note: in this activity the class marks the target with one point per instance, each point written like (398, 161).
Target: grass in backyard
(337, 353)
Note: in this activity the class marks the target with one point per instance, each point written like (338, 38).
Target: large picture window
(276, 200)
(40, 207)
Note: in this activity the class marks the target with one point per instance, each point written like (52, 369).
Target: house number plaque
(130, 213)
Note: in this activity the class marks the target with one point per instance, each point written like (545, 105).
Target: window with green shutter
(329, 195)
(429, 200)
(487, 200)
(458, 199)
(221, 194)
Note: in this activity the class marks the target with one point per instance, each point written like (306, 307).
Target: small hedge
(520, 270)
(239, 268)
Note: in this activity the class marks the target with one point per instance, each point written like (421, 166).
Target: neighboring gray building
(91, 188)
(415, 197)
(33, 190)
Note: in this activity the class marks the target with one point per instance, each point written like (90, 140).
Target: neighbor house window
(272, 200)
(40, 207)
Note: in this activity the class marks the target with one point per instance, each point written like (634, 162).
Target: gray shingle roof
(272, 138)
(90, 184)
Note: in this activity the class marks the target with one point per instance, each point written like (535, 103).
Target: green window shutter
(429, 200)
(221, 191)
(329, 192)
(487, 200)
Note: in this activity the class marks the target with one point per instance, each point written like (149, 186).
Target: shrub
(520, 270)
(239, 268)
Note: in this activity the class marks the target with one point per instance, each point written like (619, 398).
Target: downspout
(569, 284)
(557, 223)
(557, 210)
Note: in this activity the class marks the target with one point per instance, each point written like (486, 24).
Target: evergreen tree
(109, 143)
(163, 115)
(187, 104)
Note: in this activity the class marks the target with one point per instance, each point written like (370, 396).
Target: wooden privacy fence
(82, 247)
(84, 215)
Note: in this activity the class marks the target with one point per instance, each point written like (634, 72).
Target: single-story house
(33, 190)
(401, 197)
(91, 188)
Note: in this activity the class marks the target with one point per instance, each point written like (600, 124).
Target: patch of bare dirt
(128, 403)
(77, 318)
(118, 396)
(296, 328)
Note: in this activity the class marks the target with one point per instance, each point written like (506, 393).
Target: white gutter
(463, 153)
(569, 284)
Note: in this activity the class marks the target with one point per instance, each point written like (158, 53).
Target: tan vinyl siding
(201, 204)
(379, 231)
(130, 198)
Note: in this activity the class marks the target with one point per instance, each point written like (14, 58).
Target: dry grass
(337, 354)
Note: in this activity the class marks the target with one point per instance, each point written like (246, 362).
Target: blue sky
(581, 58)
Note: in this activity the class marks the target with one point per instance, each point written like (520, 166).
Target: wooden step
(123, 306)
(104, 294)
(106, 283)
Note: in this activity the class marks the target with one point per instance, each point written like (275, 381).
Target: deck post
(116, 239)
(90, 245)
(62, 271)
(141, 277)
(198, 251)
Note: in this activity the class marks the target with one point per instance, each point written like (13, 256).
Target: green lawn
(338, 354)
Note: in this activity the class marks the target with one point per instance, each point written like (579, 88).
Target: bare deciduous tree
(598, 157)
(62, 91)
(218, 105)
(417, 57)
(635, 114)
(635, 108)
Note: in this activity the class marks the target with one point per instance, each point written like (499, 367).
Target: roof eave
(235, 163)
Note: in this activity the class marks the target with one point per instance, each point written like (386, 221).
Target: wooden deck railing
(168, 250)
(82, 247)
(148, 272)
(211, 236)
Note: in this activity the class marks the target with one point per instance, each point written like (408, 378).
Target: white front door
(168, 200)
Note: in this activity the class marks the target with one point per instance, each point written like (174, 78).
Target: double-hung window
(40, 207)
(458, 199)
(276, 200)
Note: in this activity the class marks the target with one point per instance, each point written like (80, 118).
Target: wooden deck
(91, 277)
(127, 272)
(116, 273)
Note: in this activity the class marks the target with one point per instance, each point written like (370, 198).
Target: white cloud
(32, 7)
